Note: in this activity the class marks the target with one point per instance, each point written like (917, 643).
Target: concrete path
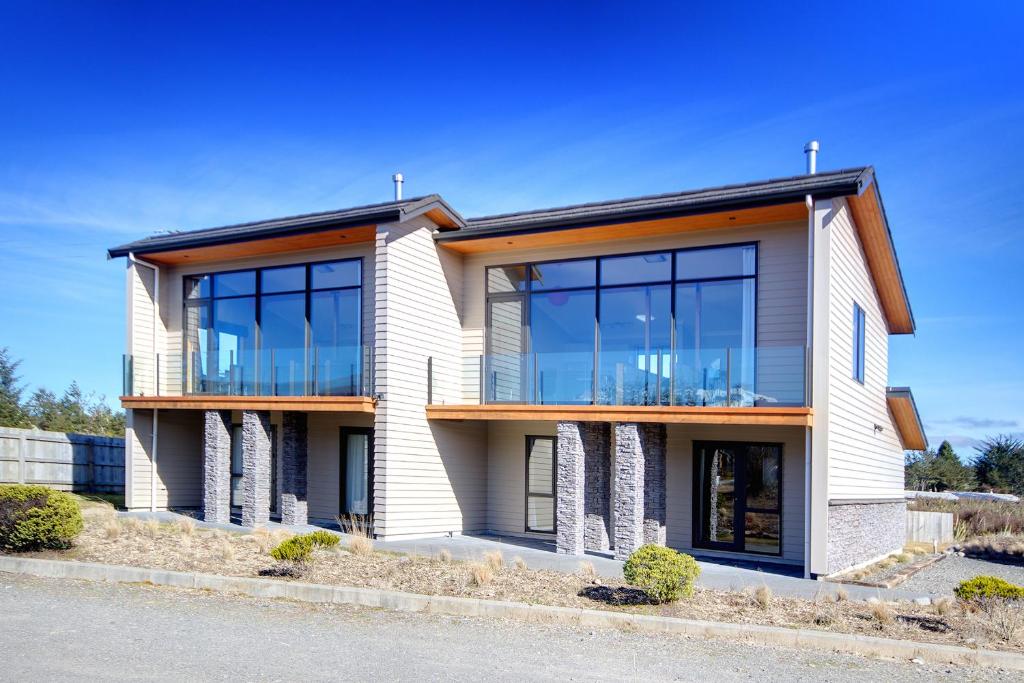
(538, 554)
(61, 630)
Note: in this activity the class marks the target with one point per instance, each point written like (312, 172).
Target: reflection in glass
(283, 344)
(357, 469)
(562, 346)
(624, 270)
(233, 366)
(334, 320)
(504, 370)
(635, 338)
(286, 279)
(505, 279)
(540, 491)
(564, 274)
(701, 264)
(335, 274)
(240, 283)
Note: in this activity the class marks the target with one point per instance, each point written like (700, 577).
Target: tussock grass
(480, 574)
(943, 606)
(587, 571)
(360, 545)
(841, 595)
(763, 597)
(495, 560)
(186, 526)
(519, 563)
(444, 555)
(882, 614)
(976, 517)
(151, 528)
(226, 550)
(112, 528)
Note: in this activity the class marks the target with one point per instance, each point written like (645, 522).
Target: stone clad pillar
(255, 467)
(217, 466)
(294, 457)
(569, 510)
(597, 465)
(655, 436)
(639, 486)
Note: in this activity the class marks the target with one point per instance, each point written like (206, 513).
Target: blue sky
(117, 120)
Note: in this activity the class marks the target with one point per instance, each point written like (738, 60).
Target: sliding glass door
(356, 491)
(738, 499)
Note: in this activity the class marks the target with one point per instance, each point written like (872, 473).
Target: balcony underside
(786, 417)
(325, 404)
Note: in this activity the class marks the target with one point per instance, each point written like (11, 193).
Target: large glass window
(636, 329)
(739, 497)
(289, 330)
(858, 343)
(540, 483)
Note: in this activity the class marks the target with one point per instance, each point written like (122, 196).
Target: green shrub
(988, 587)
(663, 573)
(299, 548)
(35, 517)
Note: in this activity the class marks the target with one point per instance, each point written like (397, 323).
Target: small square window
(859, 323)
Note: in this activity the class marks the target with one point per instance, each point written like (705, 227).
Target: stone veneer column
(217, 466)
(294, 458)
(654, 438)
(597, 465)
(629, 489)
(569, 503)
(255, 467)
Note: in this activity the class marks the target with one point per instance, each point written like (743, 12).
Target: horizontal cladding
(863, 462)
(782, 283)
(429, 478)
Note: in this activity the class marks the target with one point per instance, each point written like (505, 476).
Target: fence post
(22, 454)
(90, 484)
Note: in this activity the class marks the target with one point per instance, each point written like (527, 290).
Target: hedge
(37, 517)
(665, 574)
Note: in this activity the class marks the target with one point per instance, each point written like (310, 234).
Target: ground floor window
(237, 491)
(540, 483)
(738, 501)
(356, 495)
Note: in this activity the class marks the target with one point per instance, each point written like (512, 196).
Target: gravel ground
(67, 630)
(942, 578)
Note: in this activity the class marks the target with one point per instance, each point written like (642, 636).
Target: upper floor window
(285, 330)
(858, 343)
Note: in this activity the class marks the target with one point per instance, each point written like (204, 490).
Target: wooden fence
(69, 462)
(929, 527)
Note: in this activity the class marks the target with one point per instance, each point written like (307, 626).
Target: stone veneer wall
(639, 486)
(859, 531)
(597, 473)
(656, 436)
(294, 459)
(569, 524)
(217, 466)
(255, 467)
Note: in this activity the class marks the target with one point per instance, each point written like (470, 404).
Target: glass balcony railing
(761, 376)
(316, 371)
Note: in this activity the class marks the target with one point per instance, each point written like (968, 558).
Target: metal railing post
(430, 380)
(728, 376)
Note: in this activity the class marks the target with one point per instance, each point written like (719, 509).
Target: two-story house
(704, 369)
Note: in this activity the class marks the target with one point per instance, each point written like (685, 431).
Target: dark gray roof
(279, 227)
(823, 185)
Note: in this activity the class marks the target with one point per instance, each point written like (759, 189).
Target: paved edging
(472, 607)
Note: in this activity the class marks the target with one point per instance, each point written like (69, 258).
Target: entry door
(738, 497)
(356, 494)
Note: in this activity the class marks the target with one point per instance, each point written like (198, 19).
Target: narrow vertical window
(540, 483)
(858, 343)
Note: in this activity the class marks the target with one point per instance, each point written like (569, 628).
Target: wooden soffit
(786, 417)
(312, 404)
(875, 239)
(273, 245)
(907, 420)
(781, 213)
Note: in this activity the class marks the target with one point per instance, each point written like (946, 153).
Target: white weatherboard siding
(781, 292)
(506, 473)
(429, 478)
(324, 460)
(862, 463)
(141, 282)
(179, 462)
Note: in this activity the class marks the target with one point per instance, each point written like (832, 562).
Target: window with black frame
(281, 331)
(540, 483)
(672, 327)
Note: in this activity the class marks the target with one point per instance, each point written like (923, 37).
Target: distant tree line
(999, 467)
(73, 411)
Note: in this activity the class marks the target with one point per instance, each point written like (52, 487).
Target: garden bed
(184, 547)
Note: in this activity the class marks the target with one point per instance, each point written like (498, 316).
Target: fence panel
(70, 462)
(928, 527)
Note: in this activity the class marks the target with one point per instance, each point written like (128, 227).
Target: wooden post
(22, 454)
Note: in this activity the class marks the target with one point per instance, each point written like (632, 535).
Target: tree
(12, 414)
(1000, 464)
(949, 472)
(918, 471)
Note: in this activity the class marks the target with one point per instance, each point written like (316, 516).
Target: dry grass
(519, 563)
(444, 556)
(360, 545)
(480, 574)
(763, 597)
(882, 614)
(111, 528)
(495, 561)
(904, 558)
(263, 539)
(999, 547)
(841, 594)
(587, 571)
(1005, 619)
(943, 606)
(186, 526)
(226, 550)
(976, 517)
(152, 528)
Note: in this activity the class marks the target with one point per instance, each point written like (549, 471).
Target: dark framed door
(505, 370)
(355, 496)
(738, 497)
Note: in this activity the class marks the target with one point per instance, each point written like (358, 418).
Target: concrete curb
(471, 607)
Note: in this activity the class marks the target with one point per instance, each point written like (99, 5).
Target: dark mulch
(616, 596)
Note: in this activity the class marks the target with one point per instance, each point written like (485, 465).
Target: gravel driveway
(941, 578)
(68, 630)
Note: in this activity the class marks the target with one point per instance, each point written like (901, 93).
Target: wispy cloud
(965, 422)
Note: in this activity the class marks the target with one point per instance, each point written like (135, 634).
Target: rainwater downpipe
(156, 373)
(811, 150)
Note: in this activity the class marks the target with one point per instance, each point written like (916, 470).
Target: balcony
(340, 371)
(762, 385)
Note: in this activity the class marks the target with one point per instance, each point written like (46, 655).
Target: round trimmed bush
(988, 588)
(665, 574)
(36, 517)
(299, 548)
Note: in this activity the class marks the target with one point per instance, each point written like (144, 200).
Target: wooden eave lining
(272, 245)
(878, 250)
(654, 228)
(789, 417)
(908, 427)
(328, 404)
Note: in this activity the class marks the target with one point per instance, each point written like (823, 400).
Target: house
(704, 369)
